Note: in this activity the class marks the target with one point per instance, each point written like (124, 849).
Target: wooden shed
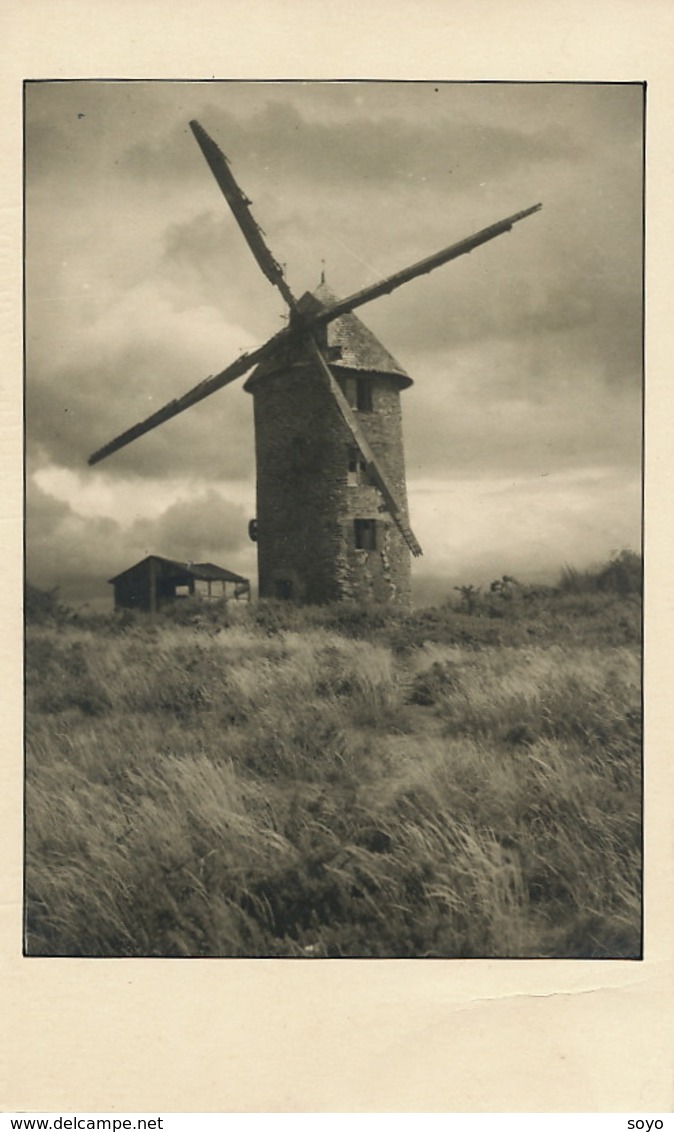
(154, 581)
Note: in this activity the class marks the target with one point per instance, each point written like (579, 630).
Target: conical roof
(350, 345)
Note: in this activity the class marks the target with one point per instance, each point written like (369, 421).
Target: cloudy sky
(523, 426)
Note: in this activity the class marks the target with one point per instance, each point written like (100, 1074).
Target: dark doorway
(283, 589)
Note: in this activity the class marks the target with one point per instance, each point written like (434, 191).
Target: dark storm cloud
(603, 323)
(77, 129)
(477, 425)
(195, 529)
(103, 379)
(202, 257)
(74, 414)
(501, 439)
(62, 544)
(280, 140)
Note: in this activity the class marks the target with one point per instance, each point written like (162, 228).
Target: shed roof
(208, 572)
(350, 345)
(201, 571)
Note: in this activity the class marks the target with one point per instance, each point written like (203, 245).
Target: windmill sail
(424, 266)
(204, 389)
(240, 206)
(303, 326)
(319, 318)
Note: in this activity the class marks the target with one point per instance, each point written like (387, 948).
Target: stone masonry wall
(305, 506)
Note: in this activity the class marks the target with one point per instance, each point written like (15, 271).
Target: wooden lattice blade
(385, 286)
(198, 393)
(239, 204)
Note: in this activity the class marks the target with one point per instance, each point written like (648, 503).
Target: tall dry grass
(262, 791)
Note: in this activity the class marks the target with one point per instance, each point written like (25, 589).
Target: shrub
(43, 607)
(197, 613)
(622, 574)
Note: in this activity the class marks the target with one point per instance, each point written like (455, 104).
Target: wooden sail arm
(193, 396)
(240, 206)
(422, 267)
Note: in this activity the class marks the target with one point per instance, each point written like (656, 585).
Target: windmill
(332, 518)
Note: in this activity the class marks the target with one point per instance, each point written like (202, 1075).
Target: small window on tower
(357, 468)
(348, 387)
(358, 392)
(365, 534)
(363, 395)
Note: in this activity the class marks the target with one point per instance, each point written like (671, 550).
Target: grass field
(461, 782)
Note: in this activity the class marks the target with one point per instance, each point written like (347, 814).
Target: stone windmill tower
(321, 532)
(332, 520)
